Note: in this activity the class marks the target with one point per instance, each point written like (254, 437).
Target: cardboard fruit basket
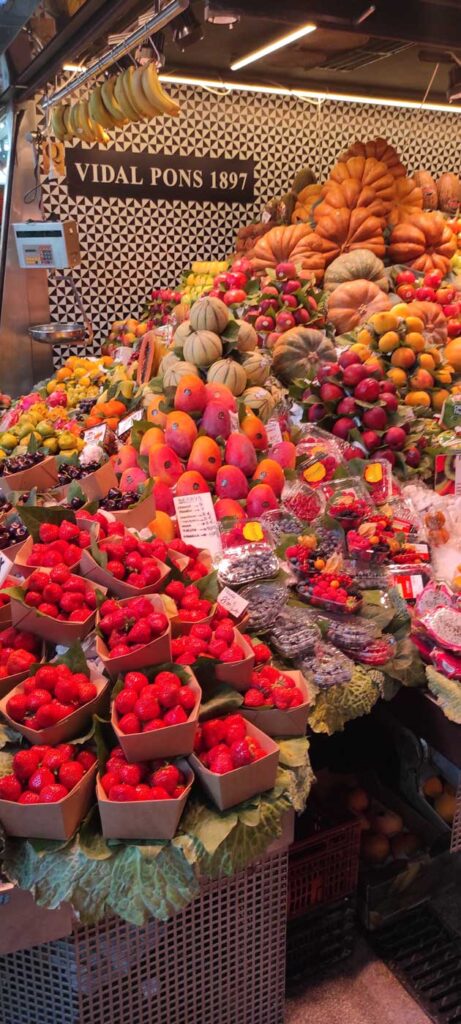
(90, 568)
(95, 485)
(43, 476)
(155, 653)
(5, 615)
(53, 630)
(50, 821)
(172, 741)
(180, 628)
(273, 722)
(242, 783)
(237, 673)
(68, 728)
(139, 516)
(13, 550)
(22, 556)
(143, 819)
(9, 683)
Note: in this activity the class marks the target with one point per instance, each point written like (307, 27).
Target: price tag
(197, 522)
(232, 602)
(95, 435)
(123, 355)
(5, 567)
(234, 421)
(126, 424)
(409, 586)
(274, 433)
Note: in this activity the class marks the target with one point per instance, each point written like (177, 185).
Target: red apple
(391, 401)
(241, 266)
(433, 279)
(302, 316)
(385, 453)
(347, 407)
(284, 321)
(406, 292)
(264, 323)
(236, 280)
(270, 291)
(285, 270)
(425, 294)
(405, 277)
(395, 438)
(454, 328)
(371, 440)
(234, 296)
(353, 452)
(327, 370)
(387, 387)
(343, 427)
(367, 390)
(349, 359)
(316, 412)
(375, 419)
(331, 393)
(412, 457)
(290, 302)
(445, 294)
(266, 304)
(291, 286)
(353, 374)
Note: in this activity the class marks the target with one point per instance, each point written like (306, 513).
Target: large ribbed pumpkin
(260, 401)
(346, 230)
(230, 373)
(257, 367)
(352, 303)
(424, 241)
(209, 314)
(360, 264)
(408, 200)
(350, 195)
(381, 150)
(369, 173)
(202, 348)
(428, 187)
(299, 351)
(174, 373)
(247, 339)
(305, 200)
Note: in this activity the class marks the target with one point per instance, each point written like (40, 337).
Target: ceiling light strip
(309, 94)
(291, 37)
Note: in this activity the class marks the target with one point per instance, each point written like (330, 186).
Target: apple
(343, 427)
(367, 390)
(285, 270)
(221, 281)
(242, 265)
(353, 374)
(347, 407)
(265, 305)
(234, 296)
(406, 292)
(451, 310)
(316, 412)
(391, 457)
(412, 457)
(371, 440)
(302, 316)
(387, 387)
(290, 301)
(425, 294)
(445, 294)
(405, 277)
(272, 338)
(395, 438)
(331, 393)
(291, 286)
(327, 370)
(349, 359)
(375, 419)
(391, 402)
(269, 291)
(433, 279)
(264, 323)
(284, 321)
(236, 280)
(353, 452)
(454, 328)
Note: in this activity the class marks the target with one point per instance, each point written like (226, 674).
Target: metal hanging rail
(153, 24)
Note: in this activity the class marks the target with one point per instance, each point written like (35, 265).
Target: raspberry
(40, 777)
(122, 792)
(70, 774)
(10, 788)
(52, 793)
(17, 706)
(129, 724)
(168, 777)
(25, 762)
(29, 798)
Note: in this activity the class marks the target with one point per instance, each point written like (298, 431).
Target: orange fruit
(400, 309)
(426, 361)
(438, 398)
(415, 341)
(418, 398)
(364, 337)
(414, 323)
(403, 358)
(162, 526)
(383, 322)
(388, 341)
(362, 351)
(422, 380)
(398, 376)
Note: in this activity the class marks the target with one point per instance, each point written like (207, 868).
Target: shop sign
(95, 172)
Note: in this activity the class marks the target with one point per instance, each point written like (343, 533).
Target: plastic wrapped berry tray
(247, 565)
(281, 521)
(351, 634)
(327, 667)
(265, 601)
(294, 633)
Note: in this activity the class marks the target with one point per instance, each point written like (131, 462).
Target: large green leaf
(34, 517)
(219, 700)
(447, 693)
(338, 705)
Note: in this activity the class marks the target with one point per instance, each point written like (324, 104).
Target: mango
(240, 452)
(254, 429)
(190, 394)
(261, 499)
(180, 433)
(132, 478)
(164, 464)
(192, 482)
(205, 457)
(269, 472)
(231, 483)
(216, 421)
(228, 508)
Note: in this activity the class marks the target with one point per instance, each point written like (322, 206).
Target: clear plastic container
(312, 551)
(248, 553)
(377, 477)
(303, 501)
(294, 633)
(265, 601)
(327, 667)
(348, 502)
(351, 634)
(331, 592)
(280, 522)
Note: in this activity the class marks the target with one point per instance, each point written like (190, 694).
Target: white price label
(123, 355)
(457, 475)
(126, 424)
(95, 435)
(274, 433)
(232, 602)
(234, 421)
(5, 567)
(197, 522)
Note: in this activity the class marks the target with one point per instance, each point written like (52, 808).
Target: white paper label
(123, 355)
(274, 433)
(126, 424)
(197, 522)
(232, 602)
(5, 566)
(234, 421)
(95, 435)
(458, 474)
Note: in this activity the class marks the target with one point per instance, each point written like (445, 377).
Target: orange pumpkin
(424, 241)
(350, 195)
(351, 229)
(408, 199)
(296, 243)
(434, 319)
(304, 203)
(352, 303)
(369, 172)
(381, 150)
(426, 183)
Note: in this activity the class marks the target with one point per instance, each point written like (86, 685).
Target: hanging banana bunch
(135, 95)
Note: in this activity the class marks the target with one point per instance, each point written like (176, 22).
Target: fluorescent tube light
(305, 30)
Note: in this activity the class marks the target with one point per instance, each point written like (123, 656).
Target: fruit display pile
(238, 542)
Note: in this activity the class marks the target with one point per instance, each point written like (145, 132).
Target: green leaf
(92, 843)
(338, 705)
(294, 752)
(8, 735)
(208, 586)
(406, 666)
(231, 331)
(210, 826)
(74, 658)
(447, 693)
(99, 556)
(219, 700)
(34, 517)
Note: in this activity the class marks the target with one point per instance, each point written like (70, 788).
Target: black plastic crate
(318, 940)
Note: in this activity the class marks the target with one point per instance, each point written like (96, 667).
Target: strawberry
(168, 777)
(202, 630)
(223, 764)
(240, 753)
(187, 699)
(262, 653)
(225, 631)
(52, 793)
(17, 707)
(53, 759)
(216, 648)
(68, 531)
(86, 691)
(159, 793)
(108, 780)
(20, 661)
(147, 708)
(109, 607)
(113, 765)
(10, 788)
(136, 680)
(33, 598)
(37, 699)
(38, 581)
(60, 574)
(156, 723)
(40, 777)
(29, 798)
(78, 615)
(158, 623)
(186, 659)
(122, 792)
(70, 774)
(143, 792)
(71, 602)
(129, 724)
(46, 676)
(139, 607)
(125, 701)
(25, 763)
(48, 532)
(175, 590)
(132, 774)
(66, 690)
(116, 569)
(25, 641)
(253, 698)
(120, 650)
(140, 633)
(213, 732)
(233, 653)
(52, 593)
(151, 573)
(87, 759)
(167, 692)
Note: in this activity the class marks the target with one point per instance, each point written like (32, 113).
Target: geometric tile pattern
(130, 246)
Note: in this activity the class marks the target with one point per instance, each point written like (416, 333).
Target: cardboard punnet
(242, 783)
(155, 653)
(237, 673)
(8, 683)
(139, 516)
(50, 821)
(13, 550)
(143, 819)
(43, 476)
(22, 556)
(53, 630)
(180, 628)
(5, 615)
(95, 485)
(90, 568)
(171, 741)
(68, 728)
(292, 722)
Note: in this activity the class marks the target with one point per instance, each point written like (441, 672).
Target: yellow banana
(57, 122)
(82, 116)
(123, 98)
(66, 122)
(110, 103)
(74, 127)
(98, 111)
(98, 131)
(141, 103)
(156, 94)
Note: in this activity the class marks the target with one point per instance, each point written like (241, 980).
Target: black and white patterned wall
(131, 245)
